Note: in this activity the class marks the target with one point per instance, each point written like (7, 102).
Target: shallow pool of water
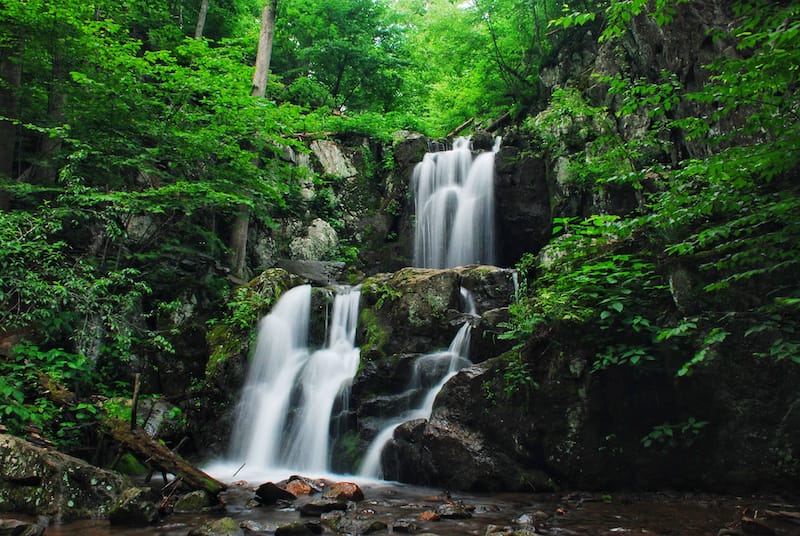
(557, 514)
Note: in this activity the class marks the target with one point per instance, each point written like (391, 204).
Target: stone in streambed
(453, 510)
(134, 508)
(298, 528)
(298, 485)
(221, 527)
(270, 493)
(317, 508)
(344, 491)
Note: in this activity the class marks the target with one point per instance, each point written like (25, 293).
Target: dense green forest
(114, 110)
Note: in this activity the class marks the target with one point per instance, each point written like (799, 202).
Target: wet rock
(194, 501)
(332, 519)
(40, 481)
(250, 526)
(344, 491)
(298, 528)
(298, 485)
(14, 527)
(270, 493)
(221, 527)
(406, 526)
(134, 508)
(317, 508)
(429, 515)
(453, 510)
(349, 525)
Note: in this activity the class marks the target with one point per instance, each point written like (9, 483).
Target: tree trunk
(201, 19)
(264, 54)
(146, 448)
(237, 260)
(238, 241)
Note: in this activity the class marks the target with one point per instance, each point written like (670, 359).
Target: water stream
(284, 414)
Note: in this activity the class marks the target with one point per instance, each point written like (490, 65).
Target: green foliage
(730, 212)
(30, 382)
(517, 377)
(673, 435)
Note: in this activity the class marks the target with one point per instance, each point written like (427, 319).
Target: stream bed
(401, 508)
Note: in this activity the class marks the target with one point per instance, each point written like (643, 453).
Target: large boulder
(41, 481)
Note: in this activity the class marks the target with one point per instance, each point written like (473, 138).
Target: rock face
(522, 205)
(40, 481)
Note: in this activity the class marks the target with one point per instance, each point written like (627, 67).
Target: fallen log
(146, 448)
(460, 127)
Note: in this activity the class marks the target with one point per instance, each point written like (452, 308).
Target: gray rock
(319, 507)
(134, 508)
(40, 481)
(221, 527)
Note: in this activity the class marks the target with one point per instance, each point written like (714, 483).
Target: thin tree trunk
(241, 225)
(201, 19)
(264, 54)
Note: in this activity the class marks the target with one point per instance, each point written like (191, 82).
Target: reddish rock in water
(344, 491)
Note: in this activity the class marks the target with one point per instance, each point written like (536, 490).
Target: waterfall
(284, 414)
(454, 203)
(431, 372)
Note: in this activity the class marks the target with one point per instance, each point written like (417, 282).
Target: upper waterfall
(454, 203)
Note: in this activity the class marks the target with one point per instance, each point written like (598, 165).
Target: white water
(443, 365)
(454, 202)
(285, 410)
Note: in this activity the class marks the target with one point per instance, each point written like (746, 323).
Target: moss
(375, 335)
(224, 342)
(129, 465)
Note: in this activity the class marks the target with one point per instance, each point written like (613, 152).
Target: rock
(14, 527)
(301, 486)
(405, 526)
(134, 508)
(344, 491)
(320, 242)
(270, 493)
(298, 528)
(221, 527)
(194, 501)
(349, 525)
(429, 515)
(332, 519)
(320, 272)
(39, 481)
(332, 160)
(522, 205)
(317, 508)
(453, 510)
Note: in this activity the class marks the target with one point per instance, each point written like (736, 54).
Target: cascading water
(431, 372)
(285, 412)
(454, 202)
(290, 392)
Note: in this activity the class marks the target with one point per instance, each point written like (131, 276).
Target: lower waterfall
(285, 411)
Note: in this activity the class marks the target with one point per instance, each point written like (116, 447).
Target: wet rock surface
(401, 509)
